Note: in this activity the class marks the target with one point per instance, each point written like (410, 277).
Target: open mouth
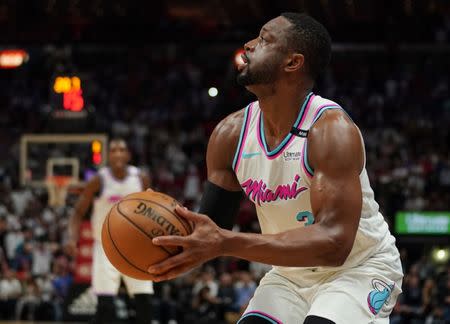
(244, 62)
(244, 58)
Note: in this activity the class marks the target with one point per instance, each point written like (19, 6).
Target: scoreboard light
(70, 88)
(97, 158)
(96, 148)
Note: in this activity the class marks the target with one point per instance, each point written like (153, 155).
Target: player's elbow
(339, 249)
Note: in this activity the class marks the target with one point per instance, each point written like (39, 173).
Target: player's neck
(280, 110)
(119, 174)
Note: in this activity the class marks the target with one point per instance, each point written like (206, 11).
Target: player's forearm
(74, 226)
(305, 247)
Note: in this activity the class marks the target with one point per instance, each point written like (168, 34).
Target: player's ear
(295, 62)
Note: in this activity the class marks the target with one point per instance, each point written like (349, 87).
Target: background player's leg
(275, 301)
(143, 308)
(142, 291)
(105, 312)
(105, 283)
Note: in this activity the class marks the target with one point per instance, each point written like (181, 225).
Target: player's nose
(249, 46)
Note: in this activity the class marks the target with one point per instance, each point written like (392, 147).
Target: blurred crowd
(400, 101)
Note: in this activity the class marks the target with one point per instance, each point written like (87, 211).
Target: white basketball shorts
(360, 295)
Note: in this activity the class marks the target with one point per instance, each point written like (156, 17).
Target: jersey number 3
(305, 217)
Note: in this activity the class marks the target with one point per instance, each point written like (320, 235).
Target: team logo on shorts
(379, 296)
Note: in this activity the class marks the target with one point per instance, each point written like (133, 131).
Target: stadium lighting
(10, 59)
(441, 255)
(213, 92)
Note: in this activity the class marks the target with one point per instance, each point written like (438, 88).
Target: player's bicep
(222, 195)
(336, 153)
(220, 153)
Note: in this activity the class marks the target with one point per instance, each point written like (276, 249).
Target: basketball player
(103, 190)
(301, 160)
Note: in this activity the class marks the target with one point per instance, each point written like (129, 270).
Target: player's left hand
(203, 244)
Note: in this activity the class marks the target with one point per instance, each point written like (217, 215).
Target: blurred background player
(110, 185)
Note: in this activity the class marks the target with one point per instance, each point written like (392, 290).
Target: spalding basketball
(131, 225)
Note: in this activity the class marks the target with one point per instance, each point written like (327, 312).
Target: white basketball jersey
(278, 183)
(112, 190)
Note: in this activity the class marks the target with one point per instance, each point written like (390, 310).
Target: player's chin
(119, 164)
(244, 79)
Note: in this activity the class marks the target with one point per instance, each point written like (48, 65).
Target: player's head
(292, 46)
(119, 155)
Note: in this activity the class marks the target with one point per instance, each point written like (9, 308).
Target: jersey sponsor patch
(291, 156)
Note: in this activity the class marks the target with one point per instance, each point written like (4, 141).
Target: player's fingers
(171, 240)
(168, 264)
(150, 189)
(189, 215)
(172, 274)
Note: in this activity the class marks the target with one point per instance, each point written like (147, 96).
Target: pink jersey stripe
(241, 149)
(263, 314)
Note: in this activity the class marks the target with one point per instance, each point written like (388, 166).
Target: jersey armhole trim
(242, 138)
(309, 171)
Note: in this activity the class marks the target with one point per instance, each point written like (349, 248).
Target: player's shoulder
(103, 171)
(228, 129)
(133, 170)
(94, 184)
(232, 122)
(225, 137)
(328, 113)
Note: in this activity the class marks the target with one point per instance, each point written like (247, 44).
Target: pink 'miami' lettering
(259, 193)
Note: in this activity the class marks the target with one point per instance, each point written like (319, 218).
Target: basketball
(131, 225)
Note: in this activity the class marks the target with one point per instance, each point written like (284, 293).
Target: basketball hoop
(57, 187)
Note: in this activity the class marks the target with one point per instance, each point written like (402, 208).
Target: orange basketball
(131, 225)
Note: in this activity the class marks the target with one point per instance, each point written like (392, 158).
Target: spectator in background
(204, 306)
(49, 308)
(3, 232)
(10, 291)
(28, 304)
(62, 279)
(245, 288)
(13, 239)
(443, 294)
(437, 316)
(42, 258)
(411, 301)
(227, 299)
(206, 279)
(24, 259)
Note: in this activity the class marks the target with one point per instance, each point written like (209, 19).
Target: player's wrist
(227, 242)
